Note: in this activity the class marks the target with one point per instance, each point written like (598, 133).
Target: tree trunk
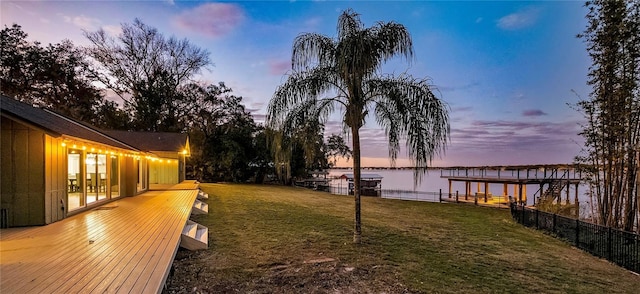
(357, 233)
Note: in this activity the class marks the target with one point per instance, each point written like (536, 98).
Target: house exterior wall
(129, 176)
(163, 172)
(178, 169)
(22, 178)
(55, 173)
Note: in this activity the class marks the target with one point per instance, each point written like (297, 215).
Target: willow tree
(344, 74)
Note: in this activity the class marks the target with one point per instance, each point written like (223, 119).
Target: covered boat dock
(552, 180)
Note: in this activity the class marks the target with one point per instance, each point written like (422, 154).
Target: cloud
(83, 22)
(519, 20)
(211, 19)
(112, 30)
(462, 109)
(313, 22)
(279, 67)
(457, 87)
(514, 136)
(487, 142)
(533, 112)
(258, 117)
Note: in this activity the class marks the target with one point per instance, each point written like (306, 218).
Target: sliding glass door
(75, 188)
(91, 177)
(96, 177)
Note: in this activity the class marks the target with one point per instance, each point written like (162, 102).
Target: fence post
(609, 244)
(537, 227)
(578, 233)
(440, 196)
(456, 196)
(554, 224)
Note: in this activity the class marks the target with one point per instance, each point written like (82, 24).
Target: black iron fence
(619, 247)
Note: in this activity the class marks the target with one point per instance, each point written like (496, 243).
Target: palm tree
(344, 73)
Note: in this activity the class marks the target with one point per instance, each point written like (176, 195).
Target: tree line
(154, 80)
(612, 112)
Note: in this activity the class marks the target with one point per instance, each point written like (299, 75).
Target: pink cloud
(211, 19)
(279, 67)
(83, 22)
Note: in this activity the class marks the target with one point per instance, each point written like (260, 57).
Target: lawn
(270, 239)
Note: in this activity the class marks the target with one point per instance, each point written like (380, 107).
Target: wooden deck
(126, 246)
(185, 185)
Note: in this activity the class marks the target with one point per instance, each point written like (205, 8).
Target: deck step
(200, 207)
(202, 195)
(194, 236)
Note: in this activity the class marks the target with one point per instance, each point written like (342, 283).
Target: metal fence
(393, 194)
(619, 247)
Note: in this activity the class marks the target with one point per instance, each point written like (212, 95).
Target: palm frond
(408, 108)
(311, 49)
(393, 39)
(301, 86)
(348, 23)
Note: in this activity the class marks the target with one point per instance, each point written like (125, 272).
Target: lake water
(399, 184)
(401, 179)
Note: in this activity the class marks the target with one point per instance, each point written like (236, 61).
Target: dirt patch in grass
(269, 239)
(324, 275)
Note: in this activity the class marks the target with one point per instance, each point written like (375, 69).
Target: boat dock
(554, 181)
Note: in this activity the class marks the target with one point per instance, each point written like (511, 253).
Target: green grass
(270, 239)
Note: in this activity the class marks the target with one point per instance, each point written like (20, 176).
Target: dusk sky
(509, 71)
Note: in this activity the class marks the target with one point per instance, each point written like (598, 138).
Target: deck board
(185, 185)
(127, 247)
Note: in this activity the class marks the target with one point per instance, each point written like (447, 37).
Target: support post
(520, 193)
(449, 189)
(486, 191)
(475, 199)
(577, 202)
(577, 231)
(505, 190)
(456, 196)
(467, 189)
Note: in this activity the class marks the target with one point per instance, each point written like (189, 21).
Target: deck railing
(617, 246)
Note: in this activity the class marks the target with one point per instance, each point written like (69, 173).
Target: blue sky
(506, 69)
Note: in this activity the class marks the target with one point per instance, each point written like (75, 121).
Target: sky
(510, 72)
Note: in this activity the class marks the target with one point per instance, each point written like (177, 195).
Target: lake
(399, 184)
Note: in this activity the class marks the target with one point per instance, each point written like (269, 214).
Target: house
(168, 154)
(54, 166)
